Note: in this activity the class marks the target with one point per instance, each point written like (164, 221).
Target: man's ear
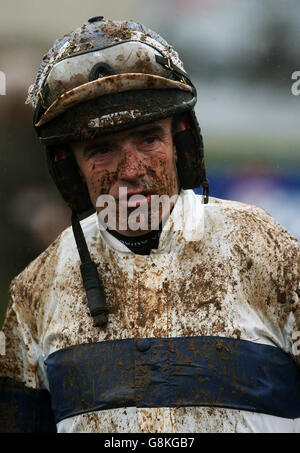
(183, 123)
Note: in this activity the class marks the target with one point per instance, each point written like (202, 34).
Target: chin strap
(205, 190)
(90, 277)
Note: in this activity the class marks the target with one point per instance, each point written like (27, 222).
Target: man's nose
(131, 166)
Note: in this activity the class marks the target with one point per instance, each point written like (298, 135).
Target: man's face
(142, 160)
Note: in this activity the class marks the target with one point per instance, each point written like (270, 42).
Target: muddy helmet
(104, 77)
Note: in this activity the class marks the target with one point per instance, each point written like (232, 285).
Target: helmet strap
(90, 277)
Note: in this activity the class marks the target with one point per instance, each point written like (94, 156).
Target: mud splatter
(117, 30)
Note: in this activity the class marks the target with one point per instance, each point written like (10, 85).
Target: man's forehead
(159, 124)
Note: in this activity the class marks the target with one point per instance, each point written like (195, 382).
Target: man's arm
(294, 276)
(24, 406)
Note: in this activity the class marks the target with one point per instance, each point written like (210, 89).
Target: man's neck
(141, 244)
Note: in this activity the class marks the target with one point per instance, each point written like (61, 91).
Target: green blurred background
(240, 54)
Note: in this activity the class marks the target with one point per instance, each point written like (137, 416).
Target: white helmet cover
(98, 61)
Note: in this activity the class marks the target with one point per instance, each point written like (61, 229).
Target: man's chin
(135, 215)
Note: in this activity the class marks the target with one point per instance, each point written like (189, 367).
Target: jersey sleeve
(294, 294)
(24, 406)
(287, 286)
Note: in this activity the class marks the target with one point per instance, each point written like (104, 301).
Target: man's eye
(149, 140)
(101, 150)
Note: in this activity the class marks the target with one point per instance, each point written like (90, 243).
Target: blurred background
(241, 55)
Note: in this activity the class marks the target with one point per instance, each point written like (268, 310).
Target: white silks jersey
(201, 334)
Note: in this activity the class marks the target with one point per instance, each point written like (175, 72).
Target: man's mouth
(135, 199)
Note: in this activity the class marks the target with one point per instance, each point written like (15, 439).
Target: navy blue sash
(24, 409)
(173, 372)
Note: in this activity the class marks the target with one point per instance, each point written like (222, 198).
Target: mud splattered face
(139, 162)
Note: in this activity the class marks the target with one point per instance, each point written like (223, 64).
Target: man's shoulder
(48, 264)
(237, 220)
(252, 223)
(38, 270)
(231, 206)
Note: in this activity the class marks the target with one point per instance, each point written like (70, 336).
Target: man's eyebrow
(131, 133)
(88, 147)
(146, 130)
